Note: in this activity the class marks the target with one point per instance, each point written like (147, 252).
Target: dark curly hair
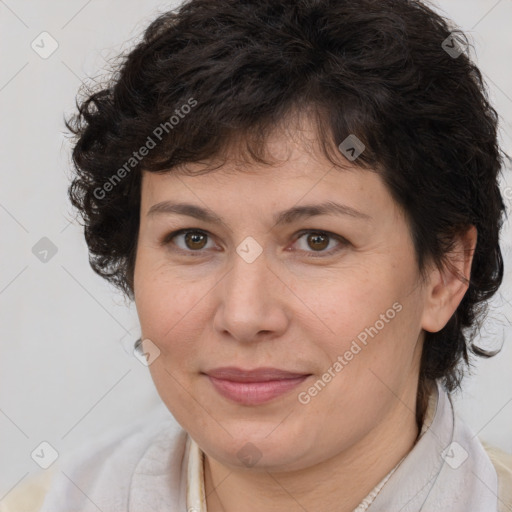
(393, 72)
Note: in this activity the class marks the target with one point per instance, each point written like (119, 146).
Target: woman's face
(333, 298)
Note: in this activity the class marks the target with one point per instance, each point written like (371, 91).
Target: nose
(252, 302)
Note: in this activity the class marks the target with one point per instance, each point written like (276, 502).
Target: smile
(253, 387)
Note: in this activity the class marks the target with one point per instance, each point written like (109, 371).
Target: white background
(66, 368)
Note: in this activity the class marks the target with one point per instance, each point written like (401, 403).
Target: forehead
(269, 196)
(297, 172)
(298, 138)
(290, 151)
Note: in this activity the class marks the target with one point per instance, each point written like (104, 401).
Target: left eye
(195, 240)
(319, 240)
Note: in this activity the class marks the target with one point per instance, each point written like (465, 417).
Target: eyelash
(343, 242)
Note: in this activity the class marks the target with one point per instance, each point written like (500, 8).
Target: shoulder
(103, 468)
(502, 463)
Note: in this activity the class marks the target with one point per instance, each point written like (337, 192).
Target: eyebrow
(284, 217)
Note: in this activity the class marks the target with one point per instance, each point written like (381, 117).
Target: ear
(446, 288)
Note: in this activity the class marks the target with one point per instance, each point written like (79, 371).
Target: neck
(339, 483)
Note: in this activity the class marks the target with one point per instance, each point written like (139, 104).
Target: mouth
(254, 386)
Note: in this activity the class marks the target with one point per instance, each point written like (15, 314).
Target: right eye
(193, 240)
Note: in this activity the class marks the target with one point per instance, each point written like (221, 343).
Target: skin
(204, 307)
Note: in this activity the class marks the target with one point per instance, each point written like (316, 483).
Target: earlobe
(447, 286)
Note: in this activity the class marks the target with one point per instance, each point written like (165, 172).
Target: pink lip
(252, 387)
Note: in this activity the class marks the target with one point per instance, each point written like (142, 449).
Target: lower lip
(254, 393)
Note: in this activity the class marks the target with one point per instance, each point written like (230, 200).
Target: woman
(302, 199)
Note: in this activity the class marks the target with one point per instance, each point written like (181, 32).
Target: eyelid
(166, 240)
(343, 242)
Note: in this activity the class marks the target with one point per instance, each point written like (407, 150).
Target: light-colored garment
(153, 465)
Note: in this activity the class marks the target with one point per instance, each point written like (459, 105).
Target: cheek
(165, 308)
(372, 321)
(345, 306)
(366, 366)
(172, 314)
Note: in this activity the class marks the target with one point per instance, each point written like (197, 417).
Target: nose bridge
(248, 303)
(248, 279)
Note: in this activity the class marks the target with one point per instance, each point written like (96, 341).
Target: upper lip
(253, 375)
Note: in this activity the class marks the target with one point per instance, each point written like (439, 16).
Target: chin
(259, 447)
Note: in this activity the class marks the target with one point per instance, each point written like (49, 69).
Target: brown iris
(195, 240)
(318, 241)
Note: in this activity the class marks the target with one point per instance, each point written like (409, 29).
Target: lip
(253, 386)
